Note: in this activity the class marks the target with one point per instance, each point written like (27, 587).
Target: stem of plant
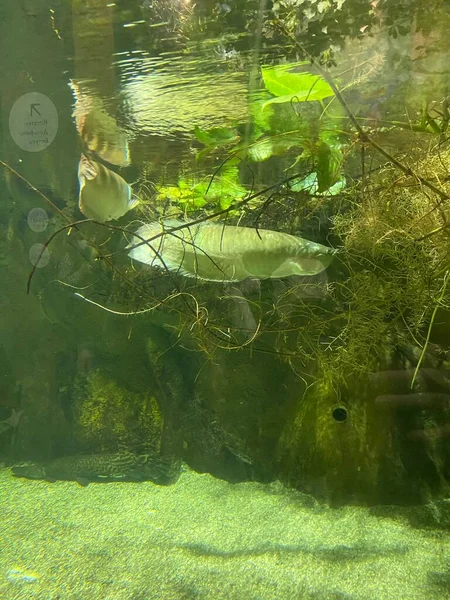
(430, 327)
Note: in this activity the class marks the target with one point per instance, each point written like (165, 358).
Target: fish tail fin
(133, 201)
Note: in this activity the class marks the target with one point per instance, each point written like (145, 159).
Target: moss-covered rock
(108, 416)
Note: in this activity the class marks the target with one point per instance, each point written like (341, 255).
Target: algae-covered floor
(205, 538)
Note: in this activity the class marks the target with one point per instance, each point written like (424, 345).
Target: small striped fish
(104, 195)
(98, 130)
(101, 136)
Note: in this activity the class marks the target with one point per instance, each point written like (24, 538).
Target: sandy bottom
(206, 539)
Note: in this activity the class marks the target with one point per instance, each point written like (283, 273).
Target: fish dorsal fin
(86, 169)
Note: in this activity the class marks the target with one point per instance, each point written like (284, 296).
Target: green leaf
(310, 185)
(223, 189)
(294, 87)
(328, 165)
(322, 6)
(261, 150)
(337, 187)
(304, 154)
(185, 194)
(260, 118)
(274, 145)
(218, 136)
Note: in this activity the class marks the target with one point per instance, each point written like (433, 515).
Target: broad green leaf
(337, 187)
(261, 150)
(294, 87)
(322, 6)
(309, 184)
(328, 165)
(261, 118)
(218, 136)
(274, 145)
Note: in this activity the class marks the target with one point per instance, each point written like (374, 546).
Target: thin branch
(47, 243)
(433, 316)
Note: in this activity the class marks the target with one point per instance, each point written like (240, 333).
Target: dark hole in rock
(340, 414)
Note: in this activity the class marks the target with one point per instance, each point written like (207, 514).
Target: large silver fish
(216, 252)
(104, 195)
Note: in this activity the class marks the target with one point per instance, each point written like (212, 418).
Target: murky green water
(224, 251)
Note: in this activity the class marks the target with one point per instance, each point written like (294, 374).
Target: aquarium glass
(225, 299)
